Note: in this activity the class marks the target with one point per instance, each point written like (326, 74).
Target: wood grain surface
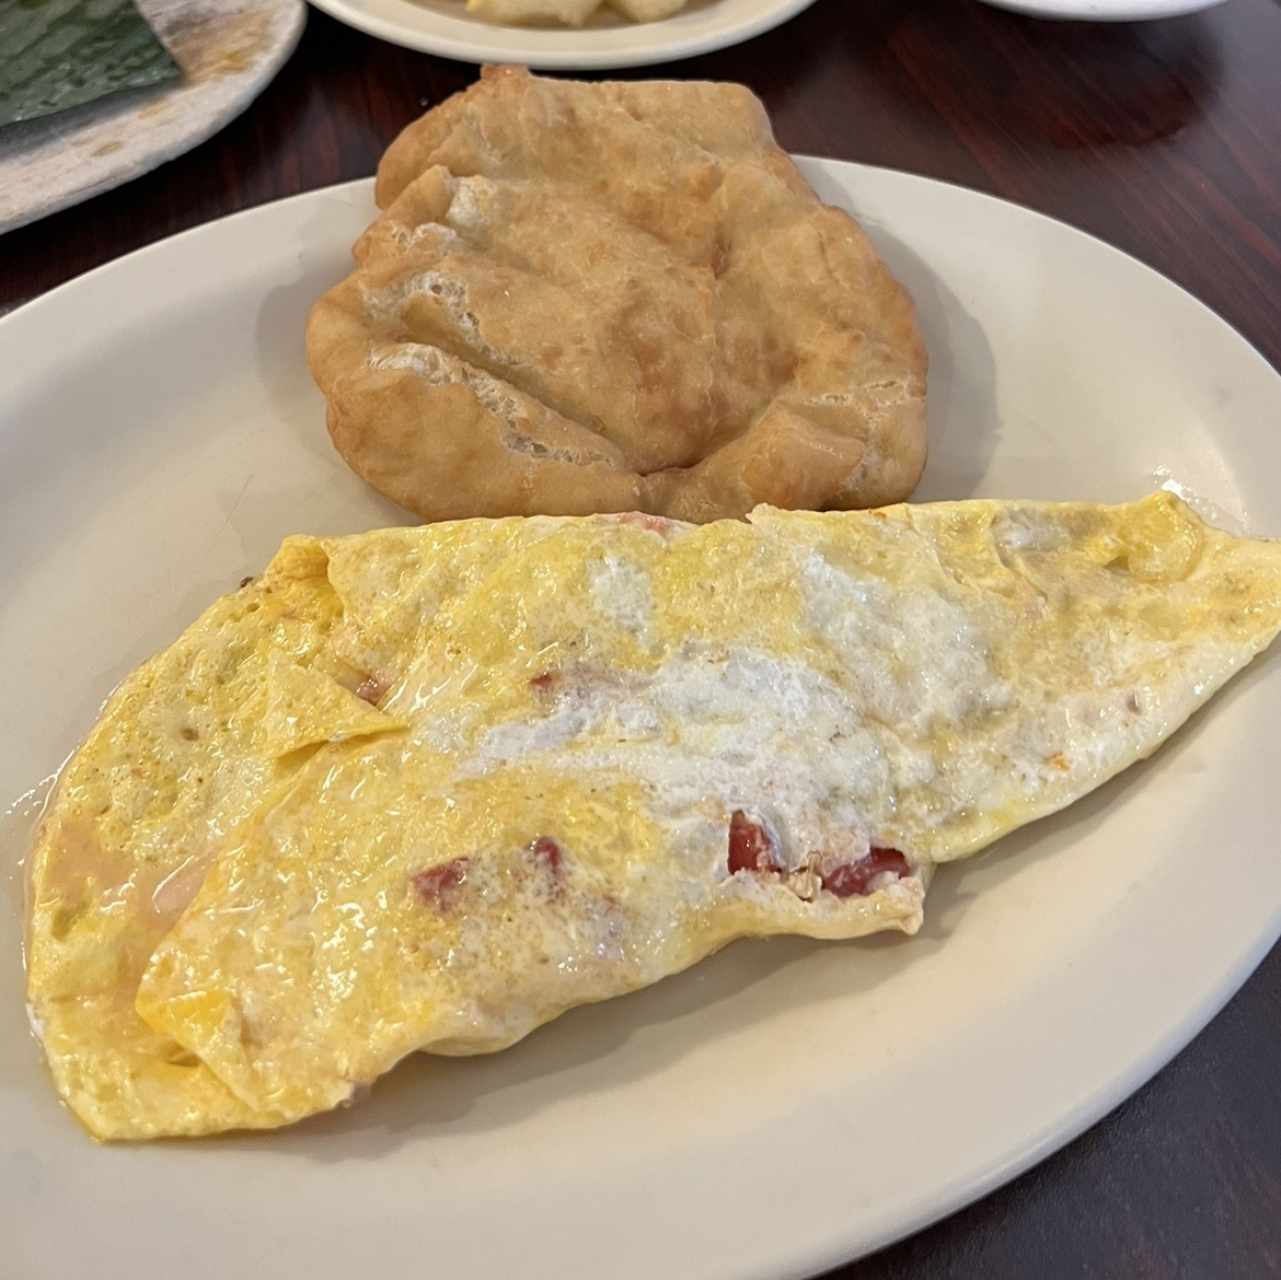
(1162, 138)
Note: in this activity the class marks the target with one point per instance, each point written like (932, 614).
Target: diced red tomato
(750, 846)
(855, 878)
(438, 886)
(546, 853)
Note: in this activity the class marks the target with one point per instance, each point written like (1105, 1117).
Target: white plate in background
(1105, 10)
(785, 1105)
(445, 28)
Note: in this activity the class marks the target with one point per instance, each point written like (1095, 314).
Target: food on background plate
(610, 297)
(571, 13)
(451, 781)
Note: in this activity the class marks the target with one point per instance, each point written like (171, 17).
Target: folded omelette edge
(184, 749)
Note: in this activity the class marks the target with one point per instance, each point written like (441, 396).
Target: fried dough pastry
(611, 297)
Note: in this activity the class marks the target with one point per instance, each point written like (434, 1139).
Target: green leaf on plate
(56, 54)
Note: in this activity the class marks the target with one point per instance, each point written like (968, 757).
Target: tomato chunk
(546, 853)
(438, 886)
(855, 878)
(750, 846)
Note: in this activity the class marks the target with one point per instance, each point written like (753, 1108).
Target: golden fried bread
(609, 297)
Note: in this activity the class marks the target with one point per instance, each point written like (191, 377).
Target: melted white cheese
(620, 592)
(709, 734)
(916, 657)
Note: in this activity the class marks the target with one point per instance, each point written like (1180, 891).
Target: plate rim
(464, 50)
(1055, 1137)
(1105, 1097)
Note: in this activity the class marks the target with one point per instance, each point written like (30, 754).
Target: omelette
(185, 749)
(426, 789)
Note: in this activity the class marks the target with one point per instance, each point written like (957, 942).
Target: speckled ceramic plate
(787, 1104)
(444, 27)
(228, 52)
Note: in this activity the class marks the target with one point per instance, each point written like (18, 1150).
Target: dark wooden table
(1163, 138)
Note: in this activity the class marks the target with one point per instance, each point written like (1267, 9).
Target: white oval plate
(1105, 10)
(443, 27)
(785, 1105)
(229, 53)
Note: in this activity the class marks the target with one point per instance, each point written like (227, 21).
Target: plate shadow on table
(599, 1048)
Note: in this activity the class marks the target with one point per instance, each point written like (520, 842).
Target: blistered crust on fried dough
(615, 297)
